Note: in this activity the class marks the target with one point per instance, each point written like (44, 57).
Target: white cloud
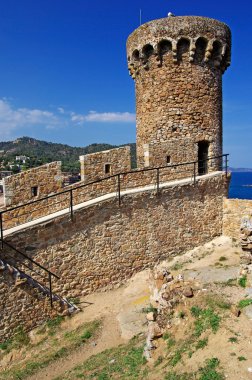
(104, 117)
(61, 110)
(14, 119)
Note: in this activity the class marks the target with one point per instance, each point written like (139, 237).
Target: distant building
(23, 159)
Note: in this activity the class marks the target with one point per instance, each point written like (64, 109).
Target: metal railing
(28, 263)
(72, 200)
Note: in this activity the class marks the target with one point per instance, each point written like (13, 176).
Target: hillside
(41, 152)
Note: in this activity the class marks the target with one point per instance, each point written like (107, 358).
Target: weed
(177, 266)
(233, 339)
(74, 300)
(158, 361)
(230, 282)
(149, 309)
(175, 376)
(196, 311)
(53, 324)
(209, 372)
(223, 258)
(175, 359)
(205, 319)
(170, 340)
(217, 301)
(243, 281)
(244, 303)
(201, 344)
(241, 358)
(182, 314)
(87, 335)
(19, 339)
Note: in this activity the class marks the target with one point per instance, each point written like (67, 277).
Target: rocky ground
(191, 318)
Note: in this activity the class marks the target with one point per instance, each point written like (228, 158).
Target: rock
(154, 331)
(188, 292)
(151, 316)
(248, 311)
(20, 281)
(235, 310)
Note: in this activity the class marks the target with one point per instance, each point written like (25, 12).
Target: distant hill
(41, 152)
(240, 170)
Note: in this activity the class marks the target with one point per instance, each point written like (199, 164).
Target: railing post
(50, 288)
(71, 203)
(194, 173)
(226, 165)
(1, 228)
(157, 181)
(119, 189)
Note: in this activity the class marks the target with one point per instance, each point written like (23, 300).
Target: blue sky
(64, 77)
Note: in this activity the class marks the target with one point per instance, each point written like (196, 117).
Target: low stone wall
(18, 187)
(233, 212)
(103, 164)
(106, 244)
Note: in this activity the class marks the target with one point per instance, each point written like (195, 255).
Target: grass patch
(169, 340)
(243, 281)
(201, 344)
(175, 376)
(124, 362)
(158, 361)
(149, 309)
(19, 340)
(217, 302)
(53, 324)
(58, 348)
(244, 303)
(209, 371)
(177, 266)
(233, 339)
(241, 358)
(205, 319)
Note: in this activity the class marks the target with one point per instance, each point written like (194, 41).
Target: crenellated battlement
(192, 39)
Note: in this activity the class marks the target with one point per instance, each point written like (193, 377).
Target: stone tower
(177, 64)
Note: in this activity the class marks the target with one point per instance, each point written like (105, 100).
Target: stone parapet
(234, 210)
(99, 165)
(32, 184)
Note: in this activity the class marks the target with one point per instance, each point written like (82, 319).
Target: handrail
(109, 177)
(30, 259)
(47, 271)
(118, 175)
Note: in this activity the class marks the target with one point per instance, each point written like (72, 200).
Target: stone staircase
(21, 279)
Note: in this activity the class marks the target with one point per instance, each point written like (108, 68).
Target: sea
(241, 185)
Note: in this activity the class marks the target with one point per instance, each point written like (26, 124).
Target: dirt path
(110, 337)
(108, 307)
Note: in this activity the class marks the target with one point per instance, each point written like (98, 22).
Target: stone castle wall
(233, 212)
(93, 166)
(21, 306)
(177, 64)
(106, 244)
(18, 187)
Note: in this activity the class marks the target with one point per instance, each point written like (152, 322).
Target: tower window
(107, 168)
(34, 191)
(168, 159)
